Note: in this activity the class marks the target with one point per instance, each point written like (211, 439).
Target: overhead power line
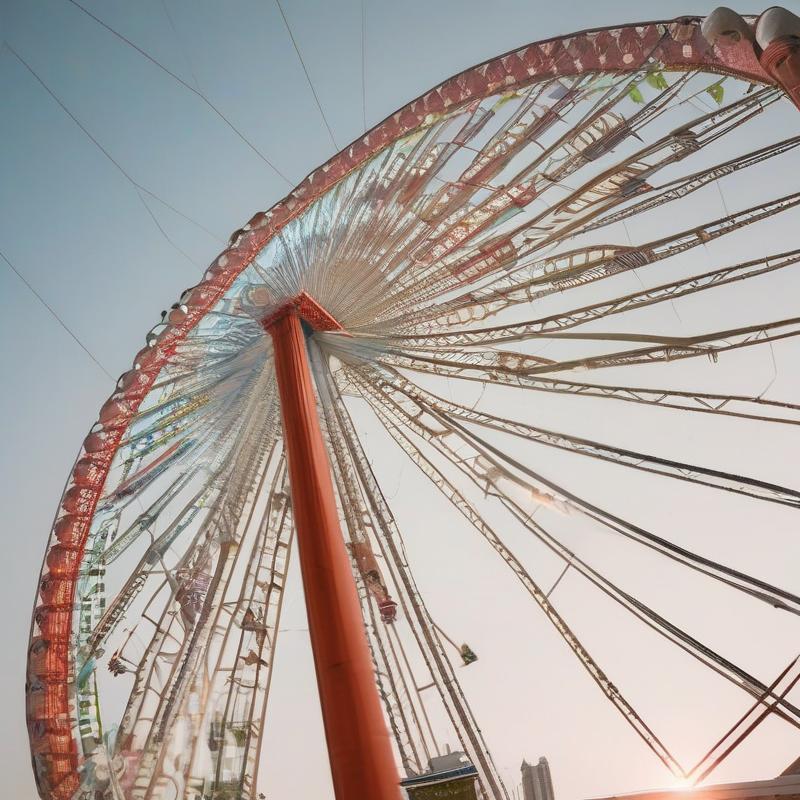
(364, 64)
(180, 44)
(55, 315)
(305, 70)
(186, 86)
(138, 186)
(160, 227)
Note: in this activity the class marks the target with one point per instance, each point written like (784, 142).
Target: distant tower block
(536, 781)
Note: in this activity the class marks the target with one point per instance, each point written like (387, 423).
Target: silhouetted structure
(785, 787)
(536, 781)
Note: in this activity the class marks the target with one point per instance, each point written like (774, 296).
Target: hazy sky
(76, 228)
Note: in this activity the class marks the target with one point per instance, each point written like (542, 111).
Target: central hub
(308, 309)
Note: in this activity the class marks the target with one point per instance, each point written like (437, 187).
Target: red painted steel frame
(359, 749)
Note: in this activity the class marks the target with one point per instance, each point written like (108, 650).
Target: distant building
(451, 776)
(536, 781)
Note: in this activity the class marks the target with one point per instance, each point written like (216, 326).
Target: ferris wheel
(503, 245)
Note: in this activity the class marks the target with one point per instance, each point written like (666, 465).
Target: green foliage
(635, 94)
(657, 80)
(505, 99)
(716, 91)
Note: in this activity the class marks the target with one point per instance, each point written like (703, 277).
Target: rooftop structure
(450, 776)
(786, 786)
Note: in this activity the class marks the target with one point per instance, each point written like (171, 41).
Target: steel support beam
(359, 748)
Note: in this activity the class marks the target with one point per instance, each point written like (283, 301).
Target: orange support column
(362, 764)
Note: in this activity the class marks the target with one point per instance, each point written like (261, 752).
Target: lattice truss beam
(615, 222)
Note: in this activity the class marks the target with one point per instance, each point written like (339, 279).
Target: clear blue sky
(85, 240)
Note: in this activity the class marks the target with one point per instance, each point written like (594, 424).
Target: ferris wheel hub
(308, 309)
